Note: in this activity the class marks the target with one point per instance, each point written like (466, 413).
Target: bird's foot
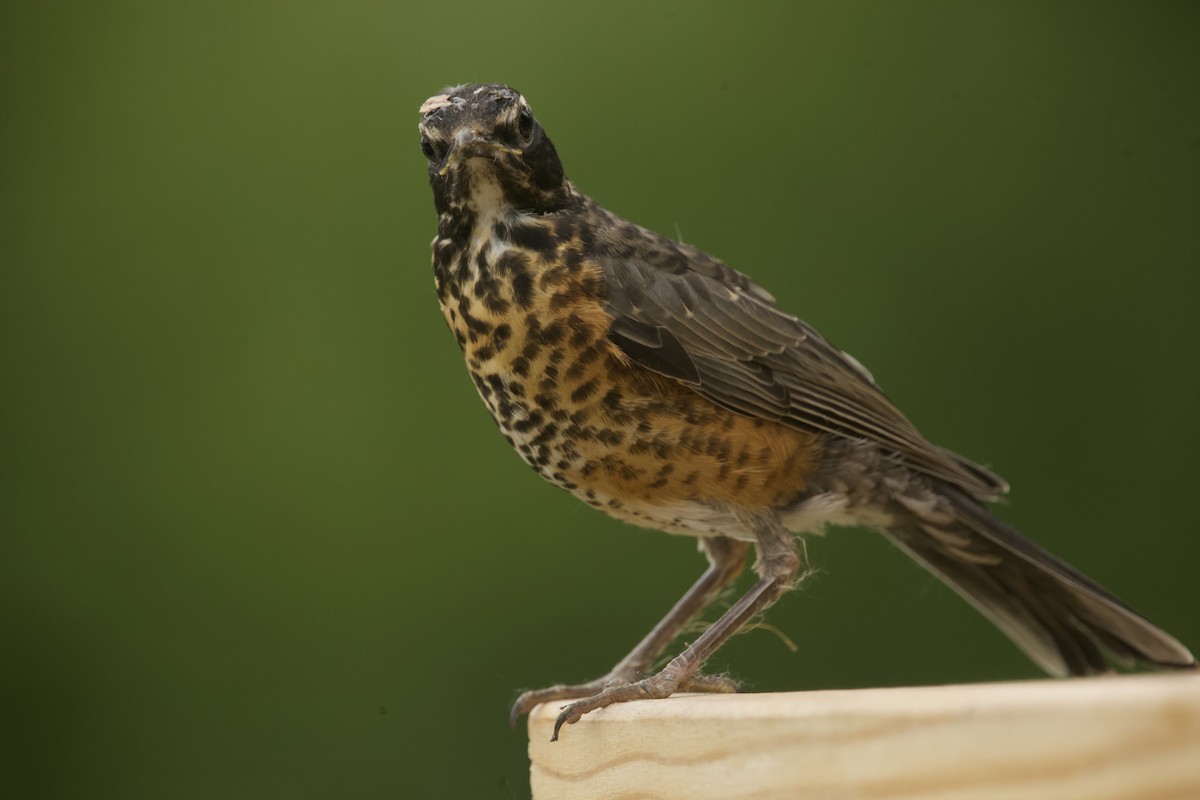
(562, 691)
(617, 688)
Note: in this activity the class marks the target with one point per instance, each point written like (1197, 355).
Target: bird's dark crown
(481, 139)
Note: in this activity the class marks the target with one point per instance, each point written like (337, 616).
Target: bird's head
(486, 150)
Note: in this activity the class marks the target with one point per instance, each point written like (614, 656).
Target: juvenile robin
(668, 390)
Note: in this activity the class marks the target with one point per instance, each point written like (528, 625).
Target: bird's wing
(689, 317)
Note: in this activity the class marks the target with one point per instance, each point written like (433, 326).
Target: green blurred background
(259, 536)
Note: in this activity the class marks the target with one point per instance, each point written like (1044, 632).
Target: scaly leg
(726, 558)
(776, 565)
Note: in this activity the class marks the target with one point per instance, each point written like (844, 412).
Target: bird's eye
(427, 148)
(525, 124)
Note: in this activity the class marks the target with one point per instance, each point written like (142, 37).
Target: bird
(659, 385)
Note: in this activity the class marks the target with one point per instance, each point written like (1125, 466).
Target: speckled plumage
(670, 391)
(576, 407)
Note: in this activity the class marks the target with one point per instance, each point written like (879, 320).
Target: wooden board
(1110, 738)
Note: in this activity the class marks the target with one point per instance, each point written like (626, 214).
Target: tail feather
(1065, 622)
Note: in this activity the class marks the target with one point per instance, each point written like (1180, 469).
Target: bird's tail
(1066, 623)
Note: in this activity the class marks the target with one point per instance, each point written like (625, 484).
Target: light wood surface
(1110, 738)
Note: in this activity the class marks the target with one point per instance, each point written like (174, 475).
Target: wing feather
(691, 318)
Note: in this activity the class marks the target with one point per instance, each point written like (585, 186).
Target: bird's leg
(777, 564)
(726, 558)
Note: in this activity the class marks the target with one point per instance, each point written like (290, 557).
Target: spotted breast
(526, 303)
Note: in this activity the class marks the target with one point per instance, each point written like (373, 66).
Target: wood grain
(1110, 738)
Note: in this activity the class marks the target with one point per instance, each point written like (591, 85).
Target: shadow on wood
(1111, 738)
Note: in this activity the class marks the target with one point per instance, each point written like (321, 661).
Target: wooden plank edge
(1106, 738)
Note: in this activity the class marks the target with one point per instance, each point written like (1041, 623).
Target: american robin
(670, 391)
